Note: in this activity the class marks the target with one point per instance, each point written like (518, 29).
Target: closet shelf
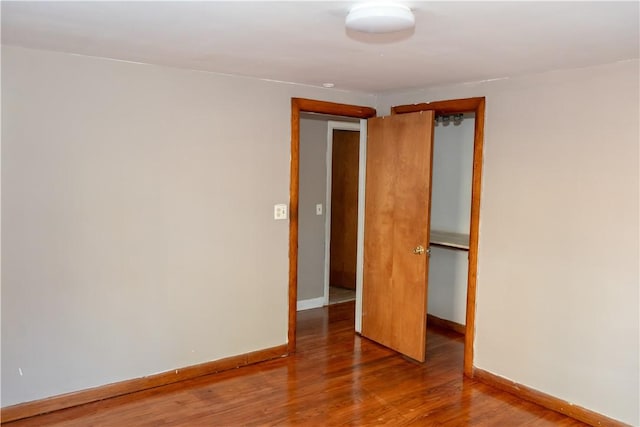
(450, 240)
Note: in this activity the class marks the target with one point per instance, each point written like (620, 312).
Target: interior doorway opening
(450, 220)
(475, 106)
(298, 107)
(343, 185)
(328, 209)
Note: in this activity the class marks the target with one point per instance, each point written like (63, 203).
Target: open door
(344, 208)
(396, 231)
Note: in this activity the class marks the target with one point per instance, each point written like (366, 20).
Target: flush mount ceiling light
(377, 17)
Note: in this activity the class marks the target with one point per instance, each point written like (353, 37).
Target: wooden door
(344, 208)
(397, 206)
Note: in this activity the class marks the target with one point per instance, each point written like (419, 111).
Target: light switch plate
(280, 211)
(319, 209)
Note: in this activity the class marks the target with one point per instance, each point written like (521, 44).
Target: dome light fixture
(380, 17)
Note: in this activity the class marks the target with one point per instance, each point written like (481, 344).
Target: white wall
(137, 218)
(452, 173)
(450, 211)
(557, 302)
(313, 190)
(448, 269)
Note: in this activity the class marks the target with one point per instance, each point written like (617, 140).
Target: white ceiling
(306, 41)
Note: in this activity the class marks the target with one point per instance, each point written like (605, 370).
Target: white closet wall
(450, 211)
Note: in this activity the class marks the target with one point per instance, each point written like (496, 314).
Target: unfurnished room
(320, 213)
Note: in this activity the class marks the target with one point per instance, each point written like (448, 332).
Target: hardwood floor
(335, 378)
(339, 295)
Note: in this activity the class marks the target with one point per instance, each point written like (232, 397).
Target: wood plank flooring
(339, 295)
(336, 378)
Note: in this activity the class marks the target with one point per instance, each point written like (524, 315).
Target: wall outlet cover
(280, 211)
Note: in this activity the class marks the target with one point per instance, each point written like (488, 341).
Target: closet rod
(447, 118)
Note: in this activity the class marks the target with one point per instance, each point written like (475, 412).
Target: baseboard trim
(307, 304)
(81, 397)
(550, 402)
(444, 323)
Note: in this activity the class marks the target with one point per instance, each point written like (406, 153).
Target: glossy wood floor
(336, 378)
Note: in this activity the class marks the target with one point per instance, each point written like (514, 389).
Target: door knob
(418, 250)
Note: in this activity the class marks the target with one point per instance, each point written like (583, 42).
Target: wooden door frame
(299, 105)
(477, 106)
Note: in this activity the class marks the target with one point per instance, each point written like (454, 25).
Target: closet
(450, 219)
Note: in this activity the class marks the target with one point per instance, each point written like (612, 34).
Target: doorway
(475, 105)
(327, 209)
(341, 238)
(450, 216)
(298, 106)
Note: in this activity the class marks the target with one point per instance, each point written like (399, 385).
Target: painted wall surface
(557, 298)
(137, 218)
(313, 190)
(451, 178)
(450, 211)
(447, 297)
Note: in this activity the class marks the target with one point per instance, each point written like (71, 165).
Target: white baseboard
(307, 304)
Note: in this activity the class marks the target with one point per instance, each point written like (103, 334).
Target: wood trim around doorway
(299, 105)
(477, 106)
